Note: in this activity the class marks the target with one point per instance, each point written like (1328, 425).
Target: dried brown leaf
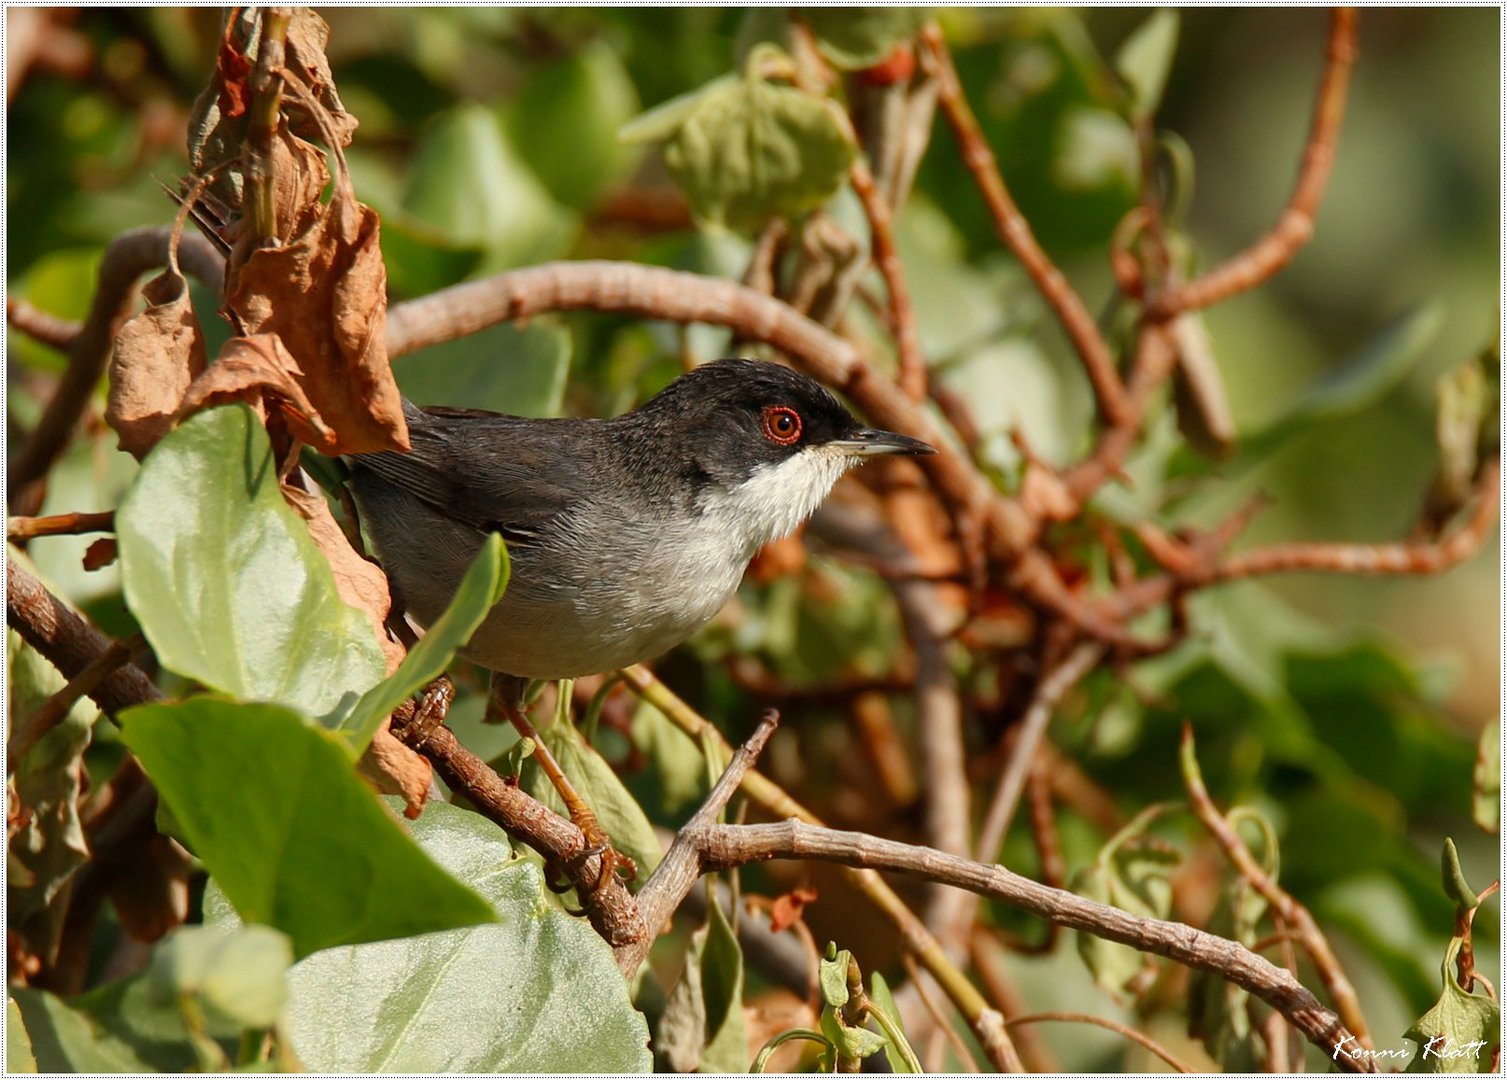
(253, 369)
(101, 553)
(790, 907)
(361, 583)
(232, 69)
(325, 296)
(157, 355)
(308, 35)
(397, 770)
(150, 889)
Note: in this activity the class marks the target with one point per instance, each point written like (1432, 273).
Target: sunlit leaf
(273, 806)
(1145, 58)
(1461, 1033)
(228, 586)
(537, 991)
(478, 591)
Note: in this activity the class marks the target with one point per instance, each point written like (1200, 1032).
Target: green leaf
(421, 258)
(1486, 787)
(1361, 381)
(854, 37)
(228, 586)
(273, 806)
(832, 972)
(536, 991)
(481, 588)
(468, 183)
(506, 368)
(745, 149)
(1131, 872)
(238, 973)
(59, 283)
(18, 1055)
(48, 843)
(616, 809)
(897, 1050)
(565, 120)
(1455, 886)
(1461, 1033)
(1145, 58)
(722, 990)
(66, 1040)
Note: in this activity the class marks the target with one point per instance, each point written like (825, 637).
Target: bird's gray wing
(492, 472)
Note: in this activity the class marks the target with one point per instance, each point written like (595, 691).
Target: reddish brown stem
(19, 529)
(1015, 233)
(1294, 227)
(913, 374)
(40, 326)
(1303, 927)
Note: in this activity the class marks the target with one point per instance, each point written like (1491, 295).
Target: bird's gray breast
(595, 588)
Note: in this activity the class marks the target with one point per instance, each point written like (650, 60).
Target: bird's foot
(596, 843)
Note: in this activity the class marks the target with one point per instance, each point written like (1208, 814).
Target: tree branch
(674, 878)
(610, 907)
(723, 847)
(1294, 227)
(1015, 233)
(127, 257)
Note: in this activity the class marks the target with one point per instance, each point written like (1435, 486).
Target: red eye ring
(782, 425)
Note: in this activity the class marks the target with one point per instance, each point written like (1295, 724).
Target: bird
(626, 535)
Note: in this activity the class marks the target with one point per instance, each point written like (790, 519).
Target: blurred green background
(487, 141)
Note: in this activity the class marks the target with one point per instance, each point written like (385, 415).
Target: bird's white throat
(775, 499)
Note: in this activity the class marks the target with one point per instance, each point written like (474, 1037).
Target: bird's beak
(866, 441)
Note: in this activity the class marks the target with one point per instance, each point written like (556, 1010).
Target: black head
(730, 417)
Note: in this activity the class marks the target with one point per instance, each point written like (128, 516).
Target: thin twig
(127, 257)
(69, 641)
(18, 529)
(52, 711)
(41, 326)
(727, 846)
(609, 906)
(913, 374)
(676, 874)
(1409, 558)
(939, 1018)
(1035, 1054)
(1015, 233)
(986, 1022)
(1304, 929)
(1294, 227)
(1007, 793)
(1113, 1025)
(657, 293)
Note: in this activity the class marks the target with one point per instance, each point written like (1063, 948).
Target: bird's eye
(782, 425)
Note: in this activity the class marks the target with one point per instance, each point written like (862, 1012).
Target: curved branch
(127, 257)
(676, 296)
(1015, 233)
(1294, 227)
(726, 846)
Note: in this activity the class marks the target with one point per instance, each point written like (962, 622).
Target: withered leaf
(101, 553)
(232, 67)
(157, 355)
(308, 35)
(150, 890)
(788, 908)
(252, 369)
(361, 583)
(397, 770)
(325, 296)
(388, 763)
